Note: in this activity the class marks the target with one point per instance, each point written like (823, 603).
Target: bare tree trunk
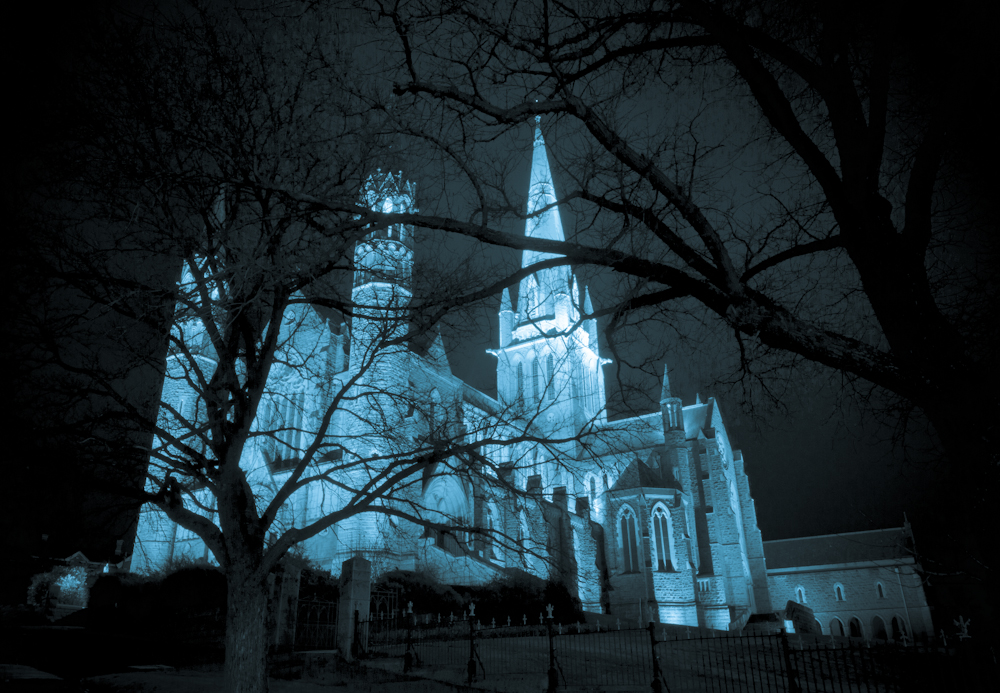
(246, 634)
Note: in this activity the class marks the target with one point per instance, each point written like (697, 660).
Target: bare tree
(229, 261)
(794, 170)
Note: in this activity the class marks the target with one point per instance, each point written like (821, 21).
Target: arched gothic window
(536, 380)
(800, 595)
(489, 526)
(881, 592)
(550, 373)
(520, 382)
(629, 543)
(838, 591)
(661, 539)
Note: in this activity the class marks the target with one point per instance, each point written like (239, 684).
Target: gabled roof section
(828, 549)
(697, 418)
(624, 435)
(638, 474)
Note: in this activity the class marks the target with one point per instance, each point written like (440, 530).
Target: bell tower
(383, 270)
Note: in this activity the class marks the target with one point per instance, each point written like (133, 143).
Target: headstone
(801, 617)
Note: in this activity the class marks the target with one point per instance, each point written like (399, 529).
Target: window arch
(879, 631)
(662, 535)
(880, 590)
(800, 594)
(489, 524)
(898, 628)
(519, 393)
(628, 540)
(838, 592)
(550, 374)
(837, 628)
(537, 380)
(857, 631)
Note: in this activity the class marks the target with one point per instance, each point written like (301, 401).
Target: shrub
(427, 594)
(318, 584)
(193, 590)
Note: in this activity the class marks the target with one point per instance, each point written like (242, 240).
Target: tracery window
(629, 543)
(550, 372)
(536, 380)
(661, 539)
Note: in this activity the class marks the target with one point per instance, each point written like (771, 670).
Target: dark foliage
(521, 594)
(316, 584)
(427, 594)
(517, 595)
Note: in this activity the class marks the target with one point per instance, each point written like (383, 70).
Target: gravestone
(802, 618)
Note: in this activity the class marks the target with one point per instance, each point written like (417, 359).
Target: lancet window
(629, 542)
(550, 373)
(661, 539)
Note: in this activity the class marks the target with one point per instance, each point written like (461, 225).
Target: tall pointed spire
(546, 224)
(665, 390)
(541, 194)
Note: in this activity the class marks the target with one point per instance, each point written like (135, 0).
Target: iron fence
(512, 656)
(316, 625)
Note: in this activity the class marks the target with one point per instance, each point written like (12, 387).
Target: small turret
(563, 307)
(506, 318)
(670, 405)
(674, 436)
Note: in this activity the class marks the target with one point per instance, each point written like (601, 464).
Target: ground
(192, 681)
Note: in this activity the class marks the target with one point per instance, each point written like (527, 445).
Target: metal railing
(517, 656)
(316, 625)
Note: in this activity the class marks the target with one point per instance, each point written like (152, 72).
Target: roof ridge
(837, 534)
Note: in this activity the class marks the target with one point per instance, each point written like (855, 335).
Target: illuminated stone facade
(648, 518)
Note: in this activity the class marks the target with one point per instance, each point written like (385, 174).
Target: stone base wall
(679, 614)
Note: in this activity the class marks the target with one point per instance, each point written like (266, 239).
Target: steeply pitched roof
(697, 417)
(641, 475)
(827, 549)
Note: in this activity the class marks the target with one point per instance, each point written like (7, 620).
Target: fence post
(793, 684)
(471, 669)
(408, 656)
(553, 674)
(657, 685)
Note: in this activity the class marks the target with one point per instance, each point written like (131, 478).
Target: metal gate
(316, 625)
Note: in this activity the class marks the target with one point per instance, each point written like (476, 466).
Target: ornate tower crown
(385, 254)
(388, 193)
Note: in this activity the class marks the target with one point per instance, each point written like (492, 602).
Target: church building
(648, 518)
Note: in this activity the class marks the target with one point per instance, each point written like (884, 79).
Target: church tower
(383, 269)
(549, 368)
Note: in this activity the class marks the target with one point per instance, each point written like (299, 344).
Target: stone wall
(902, 597)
